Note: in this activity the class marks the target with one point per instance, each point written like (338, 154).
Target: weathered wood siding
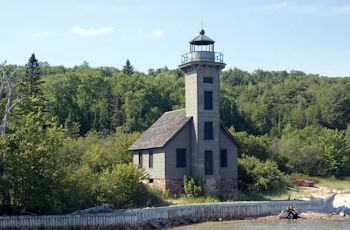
(182, 140)
(158, 170)
(232, 169)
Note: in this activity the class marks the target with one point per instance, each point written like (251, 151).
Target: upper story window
(180, 158)
(208, 131)
(208, 80)
(223, 158)
(208, 100)
(140, 159)
(150, 159)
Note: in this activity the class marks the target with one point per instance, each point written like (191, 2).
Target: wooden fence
(231, 210)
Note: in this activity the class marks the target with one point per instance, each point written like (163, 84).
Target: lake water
(275, 225)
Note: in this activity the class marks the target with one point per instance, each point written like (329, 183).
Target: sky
(310, 36)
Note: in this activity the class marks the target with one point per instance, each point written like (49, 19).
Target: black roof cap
(201, 39)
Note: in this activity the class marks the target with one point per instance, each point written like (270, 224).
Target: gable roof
(162, 131)
(230, 136)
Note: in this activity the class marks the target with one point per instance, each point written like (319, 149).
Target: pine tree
(33, 76)
(128, 69)
(32, 82)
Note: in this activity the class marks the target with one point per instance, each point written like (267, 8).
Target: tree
(120, 185)
(33, 77)
(128, 69)
(85, 64)
(10, 83)
(35, 167)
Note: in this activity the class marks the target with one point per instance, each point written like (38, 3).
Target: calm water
(276, 225)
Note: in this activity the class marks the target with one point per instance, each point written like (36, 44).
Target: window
(180, 158)
(208, 80)
(208, 162)
(140, 159)
(223, 158)
(208, 100)
(208, 131)
(150, 181)
(150, 159)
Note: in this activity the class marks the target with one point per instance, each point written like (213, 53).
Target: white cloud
(90, 32)
(152, 35)
(43, 34)
(344, 9)
(36, 35)
(306, 8)
(108, 9)
(275, 6)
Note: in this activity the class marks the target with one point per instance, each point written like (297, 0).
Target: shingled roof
(162, 131)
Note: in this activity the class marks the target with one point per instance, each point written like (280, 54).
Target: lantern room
(202, 49)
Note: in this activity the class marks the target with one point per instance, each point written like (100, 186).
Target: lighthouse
(192, 142)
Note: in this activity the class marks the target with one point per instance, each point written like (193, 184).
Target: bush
(122, 185)
(191, 189)
(260, 176)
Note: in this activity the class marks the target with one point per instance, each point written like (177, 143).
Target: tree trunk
(6, 80)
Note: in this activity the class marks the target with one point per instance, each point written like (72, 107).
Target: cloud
(37, 35)
(306, 8)
(152, 35)
(90, 32)
(43, 34)
(104, 9)
(345, 9)
(275, 6)
(286, 6)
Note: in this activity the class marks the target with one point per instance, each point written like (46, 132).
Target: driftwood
(102, 209)
(289, 212)
(341, 210)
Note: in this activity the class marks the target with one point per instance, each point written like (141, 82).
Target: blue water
(274, 225)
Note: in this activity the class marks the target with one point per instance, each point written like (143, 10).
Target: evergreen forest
(65, 132)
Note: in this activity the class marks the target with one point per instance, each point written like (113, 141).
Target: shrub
(121, 185)
(191, 189)
(260, 176)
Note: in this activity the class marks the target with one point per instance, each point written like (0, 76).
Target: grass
(246, 196)
(330, 182)
(195, 200)
(289, 194)
(340, 184)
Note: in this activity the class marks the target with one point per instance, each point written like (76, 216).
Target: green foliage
(286, 121)
(32, 77)
(257, 146)
(128, 69)
(260, 176)
(191, 189)
(120, 185)
(36, 173)
(334, 152)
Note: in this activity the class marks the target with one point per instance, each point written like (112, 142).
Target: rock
(183, 222)
(154, 225)
(147, 226)
(289, 213)
(175, 223)
(193, 220)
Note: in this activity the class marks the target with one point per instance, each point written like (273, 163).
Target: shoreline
(274, 218)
